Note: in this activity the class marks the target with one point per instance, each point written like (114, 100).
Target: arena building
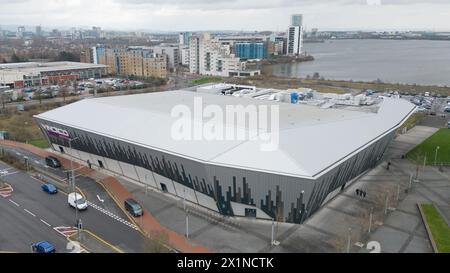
(321, 149)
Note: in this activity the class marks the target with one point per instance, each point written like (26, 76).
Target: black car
(53, 162)
(134, 208)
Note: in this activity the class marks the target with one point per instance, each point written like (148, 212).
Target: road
(32, 215)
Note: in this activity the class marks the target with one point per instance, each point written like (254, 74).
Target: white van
(77, 201)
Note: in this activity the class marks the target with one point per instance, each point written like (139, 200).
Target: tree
(67, 56)
(16, 59)
(63, 92)
(38, 95)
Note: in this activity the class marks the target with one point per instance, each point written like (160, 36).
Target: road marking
(37, 162)
(17, 205)
(9, 174)
(6, 191)
(113, 216)
(29, 212)
(99, 199)
(47, 224)
(66, 231)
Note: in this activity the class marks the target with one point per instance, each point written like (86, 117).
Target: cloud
(227, 14)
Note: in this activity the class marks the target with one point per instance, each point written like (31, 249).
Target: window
(251, 213)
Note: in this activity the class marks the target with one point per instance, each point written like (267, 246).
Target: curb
(430, 235)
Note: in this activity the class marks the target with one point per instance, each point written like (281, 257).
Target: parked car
(53, 162)
(77, 201)
(49, 188)
(134, 208)
(43, 247)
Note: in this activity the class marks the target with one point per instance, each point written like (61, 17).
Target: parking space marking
(29, 212)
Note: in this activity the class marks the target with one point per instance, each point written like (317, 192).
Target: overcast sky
(180, 15)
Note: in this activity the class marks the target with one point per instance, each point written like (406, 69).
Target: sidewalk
(148, 224)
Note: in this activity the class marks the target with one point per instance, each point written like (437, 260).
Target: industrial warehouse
(20, 75)
(324, 142)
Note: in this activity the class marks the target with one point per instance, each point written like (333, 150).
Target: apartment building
(209, 56)
(133, 61)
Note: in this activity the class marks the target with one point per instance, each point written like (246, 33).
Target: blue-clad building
(249, 50)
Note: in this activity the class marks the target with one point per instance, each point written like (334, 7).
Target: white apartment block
(172, 52)
(210, 57)
(184, 55)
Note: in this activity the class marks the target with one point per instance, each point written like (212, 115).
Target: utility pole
(386, 204)
(273, 232)
(410, 181)
(398, 193)
(349, 241)
(436, 154)
(74, 188)
(187, 224)
(370, 219)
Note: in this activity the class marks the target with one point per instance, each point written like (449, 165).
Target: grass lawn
(428, 148)
(438, 226)
(205, 80)
(40, 143)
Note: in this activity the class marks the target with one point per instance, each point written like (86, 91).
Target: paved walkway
(148, 224)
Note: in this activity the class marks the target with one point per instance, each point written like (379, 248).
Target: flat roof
(311, 140)
(36, 67)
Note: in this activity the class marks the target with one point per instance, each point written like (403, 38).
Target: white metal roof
(312, 139)
(35, 67)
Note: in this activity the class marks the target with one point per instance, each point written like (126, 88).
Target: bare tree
(63, 92)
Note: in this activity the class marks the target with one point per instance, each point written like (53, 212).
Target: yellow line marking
(100, 239)
(146, 235)
(8, 252)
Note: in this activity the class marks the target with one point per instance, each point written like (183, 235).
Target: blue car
(49, 188)
(43, 247)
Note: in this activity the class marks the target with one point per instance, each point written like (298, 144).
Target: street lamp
(72, 176)
(436, 154)
(349, 240)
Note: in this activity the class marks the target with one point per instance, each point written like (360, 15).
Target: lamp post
(273, 232)
(349, 241)
(370, 220)
(436, 154)
(74, 188)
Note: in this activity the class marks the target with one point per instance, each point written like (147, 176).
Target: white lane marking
(17, 205)
(9, 174)
(47, 224)
(5, 171)
(99, 199)
(37, 162)
(29, 212)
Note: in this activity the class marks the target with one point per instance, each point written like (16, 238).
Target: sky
(248, 15)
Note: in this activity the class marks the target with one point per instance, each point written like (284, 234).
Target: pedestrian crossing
(112, 215)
